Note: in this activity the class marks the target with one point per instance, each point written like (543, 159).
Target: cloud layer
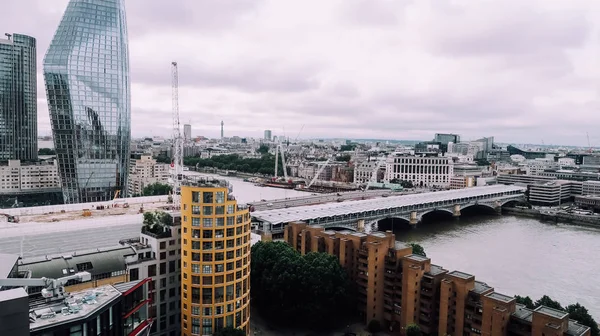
(523, 71)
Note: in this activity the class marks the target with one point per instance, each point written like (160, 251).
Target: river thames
(515, 255)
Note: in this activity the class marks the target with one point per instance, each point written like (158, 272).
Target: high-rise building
(18, 98)
(86, 71)
(215, 258)
(187, 132)
(399, 288)
(268, 135)
(222, 133)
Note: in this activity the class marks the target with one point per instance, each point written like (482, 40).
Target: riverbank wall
(555, 217)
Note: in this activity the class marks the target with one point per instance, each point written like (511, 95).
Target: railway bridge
(357, 215)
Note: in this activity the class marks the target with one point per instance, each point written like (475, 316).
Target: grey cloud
(247, 76)
(372, 12)
(146, 16)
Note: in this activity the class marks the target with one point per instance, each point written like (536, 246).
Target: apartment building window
(163, 268)
(207, 197)
(195, 196)
(134, 274)
(230, 209)
(196, 327)
(195, 221)
(207, 210)
(195, 268)
(163, 245)
(207, 222)
(152, 270)
(220, 221)
(207, 327)
(195, 209)
(207, 269)
(220, 210)
(220, 197)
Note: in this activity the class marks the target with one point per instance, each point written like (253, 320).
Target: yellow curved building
(215, 258)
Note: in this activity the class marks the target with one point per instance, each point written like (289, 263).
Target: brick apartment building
(398, 288)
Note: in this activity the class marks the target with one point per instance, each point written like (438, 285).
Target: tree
(580, 314)
(156, 221)
(548, 302)
(374, 326)
(344, 158)
(525, 300)
(413, 330)
(263, 149)
(263, 165)
(294, 290)
(46, 151)
(230, 331)
(418, 249)
(156, 189)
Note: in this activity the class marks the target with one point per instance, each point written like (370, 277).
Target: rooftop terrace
(461, 275)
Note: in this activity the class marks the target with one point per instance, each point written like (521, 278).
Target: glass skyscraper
(86, 71)
(18, 98)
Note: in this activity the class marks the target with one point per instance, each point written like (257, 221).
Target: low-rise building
(422, 171)
(145, 171)
(553, 192)
(17, 177)
(399, 288)
(364, 171)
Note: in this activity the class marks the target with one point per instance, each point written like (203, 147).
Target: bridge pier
(498, 207)
(456, 211)
(360, 225)
(414, 220)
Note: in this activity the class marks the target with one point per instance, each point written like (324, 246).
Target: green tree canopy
(156, 221)
(263, 165)
(230, 331)
(418, 249)
(548, 302)
(580, 314)
(156, 189)
(46, 151)
(525, 300)
(413, 330)
(311, 291)
(263, 149)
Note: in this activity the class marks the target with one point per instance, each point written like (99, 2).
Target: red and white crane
(177, 162)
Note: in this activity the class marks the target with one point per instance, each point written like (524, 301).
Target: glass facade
(18, 98)
(86, 72)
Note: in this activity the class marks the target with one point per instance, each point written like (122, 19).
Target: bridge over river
(411, 208)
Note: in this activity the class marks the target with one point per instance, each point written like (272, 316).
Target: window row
(217, 245)
(218, 221)
(208, 197)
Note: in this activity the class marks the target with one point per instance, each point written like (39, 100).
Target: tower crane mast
(177, 163)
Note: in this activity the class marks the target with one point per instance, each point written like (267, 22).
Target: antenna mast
(177, 163)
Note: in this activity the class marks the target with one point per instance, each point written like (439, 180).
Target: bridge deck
(303, 213)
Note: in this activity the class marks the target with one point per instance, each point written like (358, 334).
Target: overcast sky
(525, 71)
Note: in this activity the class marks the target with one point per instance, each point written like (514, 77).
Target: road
(68, 236)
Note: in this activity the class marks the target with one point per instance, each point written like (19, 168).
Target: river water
(514, 255)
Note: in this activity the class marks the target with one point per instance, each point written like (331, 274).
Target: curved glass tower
(86, 72)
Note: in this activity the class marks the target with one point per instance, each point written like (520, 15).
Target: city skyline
(276, 65)
(86, 72)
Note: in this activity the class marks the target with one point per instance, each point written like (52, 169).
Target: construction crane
(278, 150)
(589, 143)
(319, 171)
(54, 288)
(177, 163)
(380, 161)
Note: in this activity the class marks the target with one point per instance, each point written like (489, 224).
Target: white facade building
(364, 170)
(159, 258)
(145, 171)
(430, 171)
(17, 177)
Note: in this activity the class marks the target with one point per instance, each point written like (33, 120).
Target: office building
(145, 171)
(363, 172)
(553, 192)
(18, 98)
(422, 171)
(18, 177)
(187, 133)
(222, 131)
(445, 138)
(86, 72)
(268, 135)
(215, 257)
(398, 288)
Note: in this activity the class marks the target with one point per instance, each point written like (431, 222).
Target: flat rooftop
(555, 313)
(78, 305)
(576, 329)
(481, 287)
(304, 213)
(461, 275)
(7, 262)
(523, 313)
(416, 257)
(436, 270)
(500, 297)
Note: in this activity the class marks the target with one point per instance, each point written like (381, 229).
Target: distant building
(445, 138)
(422, 171)
(397, 288)
(364, 171)
(187, 132)
(145, 171)
(17, 177)
(268, 135)
(18, 98)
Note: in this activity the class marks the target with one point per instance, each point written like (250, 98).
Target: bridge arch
(392, 223)
(481, 207)
(508, 203)
(435, 215)
(341, 228)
